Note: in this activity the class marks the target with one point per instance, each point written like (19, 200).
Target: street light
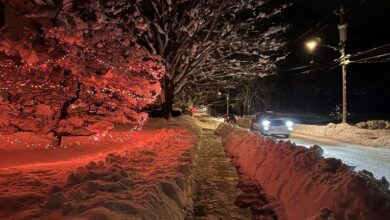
(227, 101)
(344, 59)
(311, 45)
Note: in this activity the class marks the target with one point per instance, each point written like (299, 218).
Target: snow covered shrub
(337, 114)
(74, 65)
(374, 124)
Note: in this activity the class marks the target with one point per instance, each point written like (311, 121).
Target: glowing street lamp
(227, 100)
(311, 45)
(227, 96)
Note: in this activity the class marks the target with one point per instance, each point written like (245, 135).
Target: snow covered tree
(258, 93)
(75, 68)
(212, 43)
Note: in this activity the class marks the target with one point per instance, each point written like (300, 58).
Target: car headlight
(289, 123)
(265, 123)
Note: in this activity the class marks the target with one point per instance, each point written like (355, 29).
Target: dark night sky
(319, 91)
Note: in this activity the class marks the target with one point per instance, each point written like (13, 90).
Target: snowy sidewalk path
(143, 175)
(215, 180)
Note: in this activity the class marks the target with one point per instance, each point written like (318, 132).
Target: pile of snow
(307, 185)
(347, 133)
(374, 124)
(148, 176)
(244, 122)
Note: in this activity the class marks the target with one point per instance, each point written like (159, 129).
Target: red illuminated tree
(75, 68)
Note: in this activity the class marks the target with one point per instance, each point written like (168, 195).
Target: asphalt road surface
(375, 160)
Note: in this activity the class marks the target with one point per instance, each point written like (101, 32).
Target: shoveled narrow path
(215, 180)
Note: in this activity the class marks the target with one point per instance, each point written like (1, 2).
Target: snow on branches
(213, 42)
(74, 65)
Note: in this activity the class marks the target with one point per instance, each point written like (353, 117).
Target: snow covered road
(375, 160)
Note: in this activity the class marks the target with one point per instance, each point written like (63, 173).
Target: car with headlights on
(271, 123)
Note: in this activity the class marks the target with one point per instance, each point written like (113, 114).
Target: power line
(297, 68)
(334, 11)
(362, 60)
(315, 26)
(378, 61)
(299, 80)
(382, 58)
(319, 69)
(371, 58)
(370, 50)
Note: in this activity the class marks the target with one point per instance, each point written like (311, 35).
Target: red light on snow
(99, 135)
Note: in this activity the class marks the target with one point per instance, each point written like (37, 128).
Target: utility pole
(344, 60)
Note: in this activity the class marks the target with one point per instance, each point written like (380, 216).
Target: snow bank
(148, 177)
(374, 124)
(307, 185)
(244, 122)
(347, 133)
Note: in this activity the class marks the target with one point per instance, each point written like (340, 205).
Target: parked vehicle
(270, 123)
(230, 118)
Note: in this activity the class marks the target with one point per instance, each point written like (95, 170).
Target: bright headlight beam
(289, 123)
(265, 123)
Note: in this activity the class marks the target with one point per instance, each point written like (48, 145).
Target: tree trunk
(57, 141)
(64, 113)
(168, 102)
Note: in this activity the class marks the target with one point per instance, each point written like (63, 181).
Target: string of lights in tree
(43, 66)
(98, 137)
(10, 139)
(55, 87)
(81, 62)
